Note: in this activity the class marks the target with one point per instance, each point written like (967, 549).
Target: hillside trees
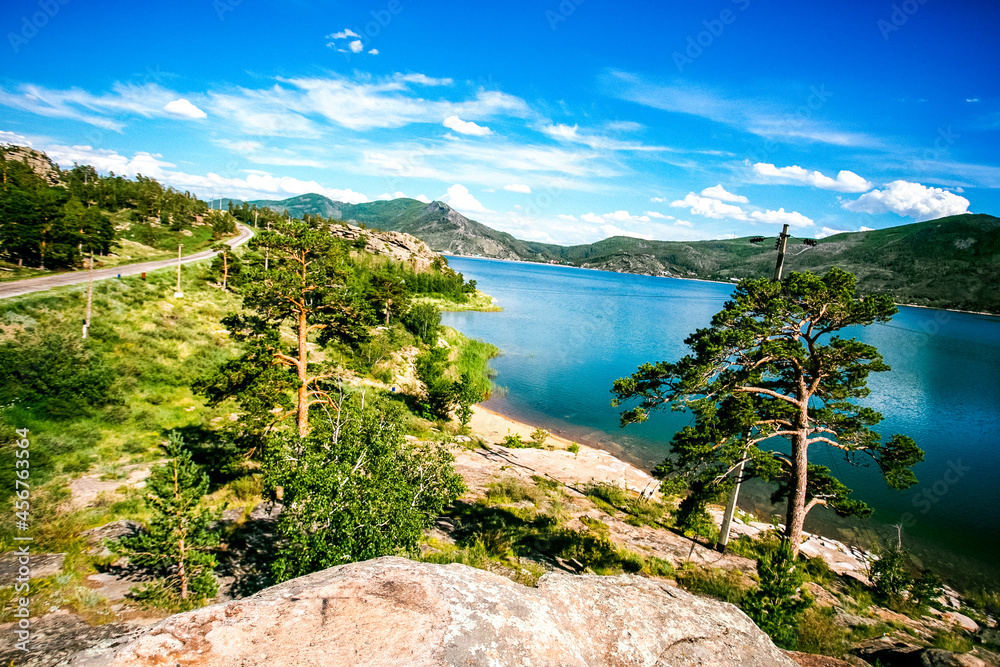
(771, 366)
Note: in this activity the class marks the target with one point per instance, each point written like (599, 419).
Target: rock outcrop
(395, 612)
(396, 246)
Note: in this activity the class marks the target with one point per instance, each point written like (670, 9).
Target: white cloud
(829, 231)
(12, 138)
(615, 218)
(657, 214)
(567, 218)
(466, 127)
(709, 208)
(756, 116)
(460, 199)
(255, 185)
(402, 195)
(424, 198)
(518, 187)
(846, 181)
(571, 133)
(182, 107)
(684, 223)
(912, 200)
(866, 229)
(781, 217)
(972, 100)
(373, 52)
(356, 46)
(347, 32)
(720, 193)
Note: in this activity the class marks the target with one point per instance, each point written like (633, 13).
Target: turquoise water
(567, 334)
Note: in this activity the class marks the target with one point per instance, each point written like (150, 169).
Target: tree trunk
(225, 270)
(796, 515)
(303, 416)
(182, 573)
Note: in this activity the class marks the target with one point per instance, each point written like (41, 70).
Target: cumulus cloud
(183, 108)
(684, 223)
(911, 200)
(251, 185)
(567, 218)
(459, 198)
(709, 207)
(830, 231)
(720, 193)
(658, 200)
(781, 217)
(846, 181)
(657, 214)
(615, 218)
(398, 194)
(356, 46)
(344, 34)
(466, 127)
(518, 187)
(373, 52)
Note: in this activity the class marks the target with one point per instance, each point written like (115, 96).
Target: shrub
(247, 488)
(776, 605)
(424, 320)
(539, 436)
(725, 585)
(574, 448)
(512, 490)
(888, 573)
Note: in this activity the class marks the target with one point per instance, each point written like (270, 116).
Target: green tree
(301, 296)
(771, 366)
(432, 366)
(177, 543)
(424, 320)
(354, 489)
(777, 603)
(222, 251)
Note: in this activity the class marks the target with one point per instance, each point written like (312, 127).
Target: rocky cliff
(395, 612)
(396, 246)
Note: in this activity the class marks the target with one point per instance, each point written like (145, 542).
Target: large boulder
(394, 612)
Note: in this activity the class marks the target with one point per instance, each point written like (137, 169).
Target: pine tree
(177, 543)
(775, 606)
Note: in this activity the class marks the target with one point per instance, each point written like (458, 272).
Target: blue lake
(567, 334)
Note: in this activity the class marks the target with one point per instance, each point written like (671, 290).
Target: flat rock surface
(395, 612)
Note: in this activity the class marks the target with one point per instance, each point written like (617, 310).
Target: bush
(512, 490)
(725, 585)
(354, 489)
(539, 436)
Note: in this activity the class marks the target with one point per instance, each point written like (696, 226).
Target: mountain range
(951, 262)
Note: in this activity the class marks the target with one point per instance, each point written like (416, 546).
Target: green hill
(951, 262)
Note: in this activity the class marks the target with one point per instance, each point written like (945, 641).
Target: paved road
(29, 285)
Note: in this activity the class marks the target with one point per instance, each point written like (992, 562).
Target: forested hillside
(951, 262)
(52, 218)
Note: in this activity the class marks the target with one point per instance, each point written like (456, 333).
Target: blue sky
(556, 121)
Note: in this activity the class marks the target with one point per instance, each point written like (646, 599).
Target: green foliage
(55, 372)
(771, 365)
(354, 489)
(539, 436)
(889, 573)
(776, 604)
(725, 585)
(573, 448)
(953, 641)
(177, 543)
(512, 490)
(438, 389)
(818, 633)
(423, 319)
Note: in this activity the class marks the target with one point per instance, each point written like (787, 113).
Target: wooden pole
(90, 294)
(179, 293)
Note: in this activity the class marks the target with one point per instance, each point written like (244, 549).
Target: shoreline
(593, 464)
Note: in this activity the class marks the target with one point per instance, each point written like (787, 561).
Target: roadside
(20, 287)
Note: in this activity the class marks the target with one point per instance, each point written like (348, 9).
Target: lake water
(567, 334)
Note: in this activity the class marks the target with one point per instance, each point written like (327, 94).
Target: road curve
(29, 285)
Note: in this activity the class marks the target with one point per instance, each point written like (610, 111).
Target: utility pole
(90, 294)
(178, 293)
(727, 519)
(780, 246)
